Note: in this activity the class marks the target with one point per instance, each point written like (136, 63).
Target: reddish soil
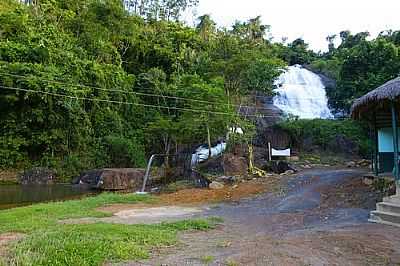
(196, 197)
(321, 220)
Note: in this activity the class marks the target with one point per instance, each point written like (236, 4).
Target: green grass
(207, 259)
(48, 242)
(94, 244)
(31, 218)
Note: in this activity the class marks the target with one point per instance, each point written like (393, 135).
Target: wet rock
(351, 164)
(234, 165)
(216, 185)
(344, 145)
(288, 172)
(113, 179)
(212, 166)
(368, 180)
(279, 167)
(228, 179)
(199, 179)
(37, 176)
(364, 163)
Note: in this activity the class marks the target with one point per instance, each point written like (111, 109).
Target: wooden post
(209, 142)
(376, 148)
(395, 146)
(269, 152)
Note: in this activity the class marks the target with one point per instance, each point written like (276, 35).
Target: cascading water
(301, 92)
(202, 153)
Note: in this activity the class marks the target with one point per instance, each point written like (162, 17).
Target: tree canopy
(88, 83)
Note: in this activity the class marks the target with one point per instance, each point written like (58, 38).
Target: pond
(20, 195)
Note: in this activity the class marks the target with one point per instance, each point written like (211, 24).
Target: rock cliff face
(328, 82)
(113, 179)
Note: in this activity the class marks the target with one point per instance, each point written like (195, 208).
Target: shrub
(323, 132)
(124, 152)
(11, 153)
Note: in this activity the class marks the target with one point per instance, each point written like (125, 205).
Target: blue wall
(385, 139)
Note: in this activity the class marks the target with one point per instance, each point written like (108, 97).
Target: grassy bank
(47, 242)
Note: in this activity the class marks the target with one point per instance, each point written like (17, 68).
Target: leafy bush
(323, 132)
(11, 152)
(124, 152)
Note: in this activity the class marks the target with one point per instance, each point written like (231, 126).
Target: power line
(129, 92)
(128, 103)
(158, 95)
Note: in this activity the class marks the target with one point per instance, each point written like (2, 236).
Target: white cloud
(312, 20)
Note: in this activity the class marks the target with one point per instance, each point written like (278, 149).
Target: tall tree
(206, 27)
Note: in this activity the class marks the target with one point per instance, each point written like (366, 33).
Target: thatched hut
(380, 108)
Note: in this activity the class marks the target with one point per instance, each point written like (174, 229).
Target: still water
(19, 195)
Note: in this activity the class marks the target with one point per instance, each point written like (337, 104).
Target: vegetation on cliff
(358, 65)
(87, 84)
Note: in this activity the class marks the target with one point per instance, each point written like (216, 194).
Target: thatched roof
(385, 93)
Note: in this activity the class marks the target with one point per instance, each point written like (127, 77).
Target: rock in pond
(113, 179)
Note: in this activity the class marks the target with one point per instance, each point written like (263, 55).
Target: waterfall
(202, 153)
(301, 92)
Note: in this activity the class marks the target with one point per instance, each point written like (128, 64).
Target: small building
(380, 108)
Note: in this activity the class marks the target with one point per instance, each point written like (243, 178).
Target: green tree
(206, 27)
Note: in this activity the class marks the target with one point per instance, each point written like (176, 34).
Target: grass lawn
(48, 242)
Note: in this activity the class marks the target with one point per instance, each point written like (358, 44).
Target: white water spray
(202, 153)
(301, 92)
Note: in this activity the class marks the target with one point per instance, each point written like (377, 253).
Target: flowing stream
(301, 92)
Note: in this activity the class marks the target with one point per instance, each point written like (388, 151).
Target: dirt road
(319, 219)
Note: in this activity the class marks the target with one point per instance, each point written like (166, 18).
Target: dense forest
(91, 83)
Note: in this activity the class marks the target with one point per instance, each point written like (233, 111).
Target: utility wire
(127, 92)
(156, 95)
(127, 103)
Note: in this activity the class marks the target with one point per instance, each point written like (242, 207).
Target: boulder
(368, 180)
(113, 179)
(199, 179)
(279, 167)
(344, 145)
(37, 176)
(216, 185)
(290, 172)
(228, 179)
(351, 164)
(364, 163)
(234, 165)
(212, 166)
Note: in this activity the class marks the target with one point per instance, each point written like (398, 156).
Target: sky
(312, 20)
